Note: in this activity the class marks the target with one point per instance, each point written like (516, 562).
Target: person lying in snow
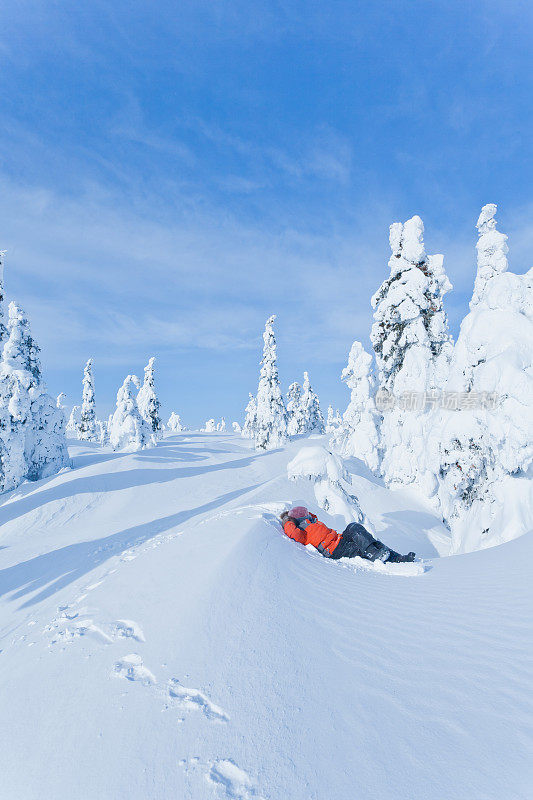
(302, 526)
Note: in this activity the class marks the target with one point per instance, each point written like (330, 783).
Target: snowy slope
(161, 638)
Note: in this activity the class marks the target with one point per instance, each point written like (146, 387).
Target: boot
(396, 558)
(377, 552)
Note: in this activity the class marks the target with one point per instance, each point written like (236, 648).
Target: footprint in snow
(72, 624)
(194, 699)
(132, 668)
(127, 629)
(236, 782)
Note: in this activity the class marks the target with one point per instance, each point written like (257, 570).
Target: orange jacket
(316, 533)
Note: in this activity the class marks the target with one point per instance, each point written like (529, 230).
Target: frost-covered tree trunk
(174, 423)
(311, 419)
(271, 423)
(34, 434)
(250, 420)
(486, 453)
(88, 428)
(129, 431)
(359, 433)
(147, 400)
(294, 415)
(413, 350)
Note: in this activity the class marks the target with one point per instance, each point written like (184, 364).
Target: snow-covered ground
(161, 638)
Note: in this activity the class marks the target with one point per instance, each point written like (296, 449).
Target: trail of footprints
(74, 622)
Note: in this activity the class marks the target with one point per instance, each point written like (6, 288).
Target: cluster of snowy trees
(32, 428)
(453, 420)
(269, 420)
(136, 422)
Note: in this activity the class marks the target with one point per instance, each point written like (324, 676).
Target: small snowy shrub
(331, 481)
(174, 423)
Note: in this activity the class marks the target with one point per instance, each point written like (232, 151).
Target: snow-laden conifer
(492, 252)
(359, 433)
(3, 329)
(294, 416)
(221, 426)
(485, 451)
(147, 400)
(88, 429)
(129, 431)
(60, 403)
(413, 350)
(174, 423)
(250, 420)
(73, 422)
(333, 420)
(236, 427)
(410, 334)
(271, 423)
(33, 421)
(210, 426)
(311, 417)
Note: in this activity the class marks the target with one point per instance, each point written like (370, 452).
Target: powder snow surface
(161, 638)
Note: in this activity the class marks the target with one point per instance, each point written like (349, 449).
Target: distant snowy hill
(161, 638)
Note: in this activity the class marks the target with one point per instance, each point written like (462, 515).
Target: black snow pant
(357, 541)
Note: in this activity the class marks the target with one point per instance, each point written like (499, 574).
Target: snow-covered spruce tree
(3, 329)
(88, 429)
(148, 402)
(486, 453)
(491, 252)
(311, 419)
(60, 402)
(294, 395)
(271, 423)
(359, 433)
(413, 349)
(33, 419)
(248, 429)
(210, 426)
(174, 423)
(74, 421)
(129, 431)
(236, 427)
(103, 431)
(221, 426)
(331, 425)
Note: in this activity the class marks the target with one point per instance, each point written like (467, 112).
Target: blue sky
(173, 173)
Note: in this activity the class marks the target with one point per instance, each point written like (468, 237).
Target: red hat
(299, 512)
